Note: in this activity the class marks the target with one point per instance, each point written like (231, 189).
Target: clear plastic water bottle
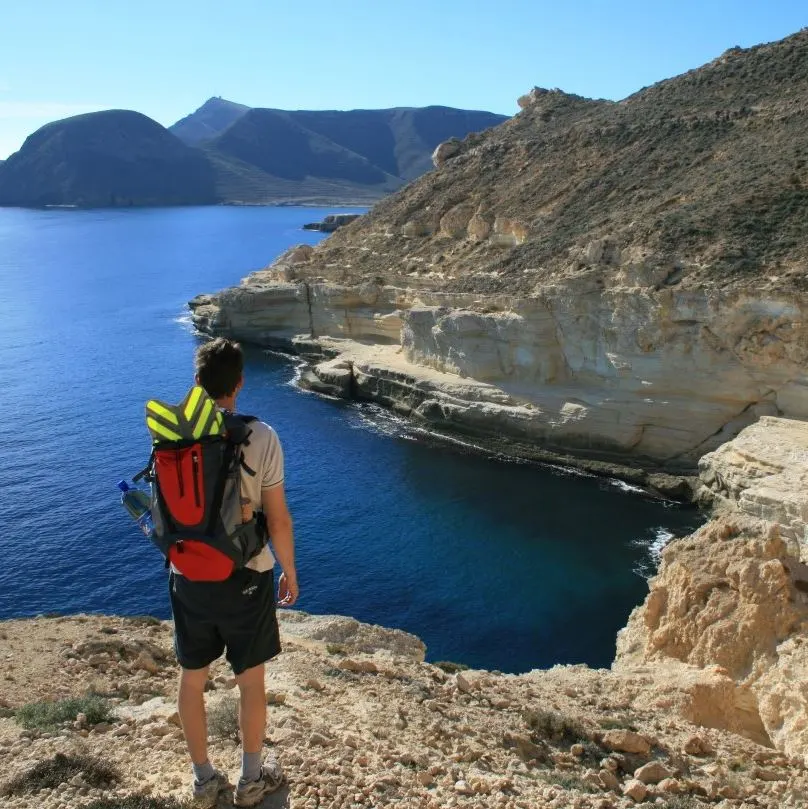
(138, 504)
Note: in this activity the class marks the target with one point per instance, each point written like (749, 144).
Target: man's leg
(252, 638)
(191, 706)
(252, 715)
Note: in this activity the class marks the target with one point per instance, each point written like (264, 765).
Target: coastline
(281, 202)
(330, 367)
(654, 482)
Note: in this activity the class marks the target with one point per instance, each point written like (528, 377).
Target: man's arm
(279, 525)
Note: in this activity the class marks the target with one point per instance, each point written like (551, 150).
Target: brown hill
(704, 174)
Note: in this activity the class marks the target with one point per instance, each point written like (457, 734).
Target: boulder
(445, 151)
(626, 741)
(652, 773)
(635, 790)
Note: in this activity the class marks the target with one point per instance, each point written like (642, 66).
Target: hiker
(236, 616)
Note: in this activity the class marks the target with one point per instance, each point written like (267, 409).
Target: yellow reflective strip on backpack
(161, 430)
(216, 427)
(202, 421)
(161, 410)
(193, 401)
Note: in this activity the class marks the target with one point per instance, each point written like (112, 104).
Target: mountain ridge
(705, 169)
(235, 155)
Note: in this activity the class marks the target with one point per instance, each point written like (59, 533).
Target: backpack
(195, 474)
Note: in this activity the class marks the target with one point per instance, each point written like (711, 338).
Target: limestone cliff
(733, 598)
(615, 280)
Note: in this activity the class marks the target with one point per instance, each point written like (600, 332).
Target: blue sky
(63, 57)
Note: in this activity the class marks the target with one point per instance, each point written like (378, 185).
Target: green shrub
(223, 719)
(449, 667)
(554, 726)
(682, 802)
(59, 769)
(136, 802)
(568, 780)
(335, 648)
(340, 674)
(49, 715)
(144, 620)
(617, 723)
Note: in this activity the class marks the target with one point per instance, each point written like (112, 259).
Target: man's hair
(219, 365)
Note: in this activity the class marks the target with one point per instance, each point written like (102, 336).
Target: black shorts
(236, 616)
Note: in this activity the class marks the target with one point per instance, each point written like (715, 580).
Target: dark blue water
(497, 565)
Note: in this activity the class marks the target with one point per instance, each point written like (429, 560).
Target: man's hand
(287, 590)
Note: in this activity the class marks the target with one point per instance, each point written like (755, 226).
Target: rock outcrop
(732, 599)
(756, 476)
(618, 281)
(332, 222)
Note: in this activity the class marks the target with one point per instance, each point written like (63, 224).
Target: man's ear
(196, 379)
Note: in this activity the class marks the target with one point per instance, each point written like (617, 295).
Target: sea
(500, 565)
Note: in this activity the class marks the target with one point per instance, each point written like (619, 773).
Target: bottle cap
(123, 485)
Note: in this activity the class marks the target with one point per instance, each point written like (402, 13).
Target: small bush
(593, 753)
(223, 719)
(554, 726)
(136, 802)
(340, 674)
(567, 780)
(335, 648)
(682, 802)
(145, 620)
(49, 715)
(449, 667)
(617, 723)
(59, 769)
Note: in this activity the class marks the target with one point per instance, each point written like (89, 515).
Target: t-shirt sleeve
(272, 466)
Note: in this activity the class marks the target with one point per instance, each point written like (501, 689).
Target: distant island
(228, 153)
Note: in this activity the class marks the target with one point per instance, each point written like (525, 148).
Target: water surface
(499, 565)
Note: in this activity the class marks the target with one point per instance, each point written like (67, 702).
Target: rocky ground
(359, 721)
(705, 704)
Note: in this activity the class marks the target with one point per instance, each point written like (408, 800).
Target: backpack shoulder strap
(238, 433)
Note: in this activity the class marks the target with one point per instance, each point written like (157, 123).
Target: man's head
(219, 367)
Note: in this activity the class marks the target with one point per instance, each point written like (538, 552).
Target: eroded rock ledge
(732, 599)
(611, 364)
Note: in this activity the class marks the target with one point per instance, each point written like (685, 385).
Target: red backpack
(196, 501)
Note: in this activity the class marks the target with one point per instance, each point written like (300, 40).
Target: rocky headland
(621, 282)
(704, 706)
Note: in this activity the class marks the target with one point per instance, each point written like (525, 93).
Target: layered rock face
(732, 599)
(763, 474)
(597, 365)
(621, 281)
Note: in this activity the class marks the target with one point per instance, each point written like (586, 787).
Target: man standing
(236, 616)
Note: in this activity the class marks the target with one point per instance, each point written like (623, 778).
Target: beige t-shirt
(264, 455)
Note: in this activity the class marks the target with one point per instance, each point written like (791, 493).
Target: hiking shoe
(207, 793)
(250, 793)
